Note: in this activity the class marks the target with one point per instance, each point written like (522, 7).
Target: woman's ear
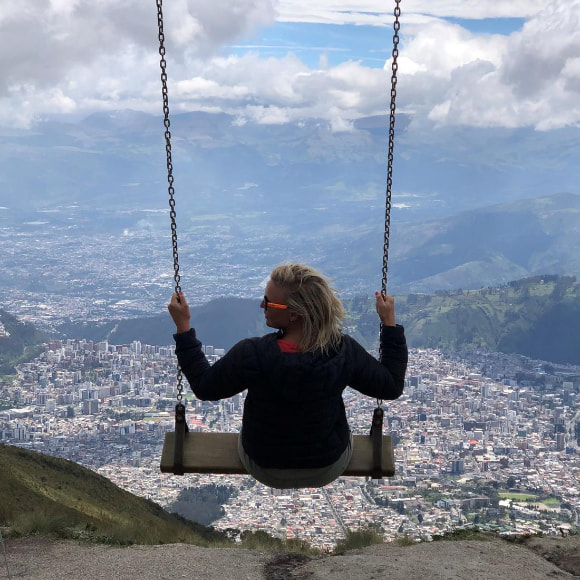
(294, 316)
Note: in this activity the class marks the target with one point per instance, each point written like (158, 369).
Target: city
(282, 143)
(486, 439)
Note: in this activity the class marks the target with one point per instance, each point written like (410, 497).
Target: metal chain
(395, 67)
(170, 188)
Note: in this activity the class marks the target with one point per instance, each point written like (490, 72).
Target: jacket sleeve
(384, 379)
(208, 382)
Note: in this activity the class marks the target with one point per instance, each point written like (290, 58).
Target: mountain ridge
(18, 341)
(487, 246)
(537, 317)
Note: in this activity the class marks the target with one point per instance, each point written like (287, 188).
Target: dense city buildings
(483, 438)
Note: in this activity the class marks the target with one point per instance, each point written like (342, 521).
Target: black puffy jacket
(294, 415)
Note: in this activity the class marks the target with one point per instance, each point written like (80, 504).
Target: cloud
(372, 12)
(42, 42)
(545, 51)
(59, 56)
(445, 70)
(204, 26)
(79, 56)
(281, 90)
(530, 78)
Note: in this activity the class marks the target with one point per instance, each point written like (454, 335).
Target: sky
(476, 63)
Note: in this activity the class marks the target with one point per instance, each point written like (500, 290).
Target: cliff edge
(491, 559)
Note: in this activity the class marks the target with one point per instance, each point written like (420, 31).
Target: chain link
(170, 188)
(394, 68)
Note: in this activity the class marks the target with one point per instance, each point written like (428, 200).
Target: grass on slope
(537, 317)
(45, 495)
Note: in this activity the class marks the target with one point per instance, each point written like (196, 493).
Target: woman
(294, 429)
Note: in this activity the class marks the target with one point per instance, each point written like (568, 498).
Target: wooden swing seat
(218, 453)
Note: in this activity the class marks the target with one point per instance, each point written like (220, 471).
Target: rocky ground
(492, 558)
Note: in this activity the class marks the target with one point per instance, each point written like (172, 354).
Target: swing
(197, 452)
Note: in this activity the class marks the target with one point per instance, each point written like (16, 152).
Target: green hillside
(45, 495)
(537, 317)
(488, 245)
(19, 342)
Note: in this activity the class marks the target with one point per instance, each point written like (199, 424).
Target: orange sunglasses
(268, 304)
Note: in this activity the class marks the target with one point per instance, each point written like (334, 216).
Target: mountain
(118, 159)
(221, 323)
(471, 207)
(59, 496)
(490, 246)
(537, 317)
(19, 342)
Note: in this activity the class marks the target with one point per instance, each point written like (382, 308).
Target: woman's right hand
(386, 308)
(179, 310)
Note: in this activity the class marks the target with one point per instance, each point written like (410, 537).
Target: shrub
(406, 540)
(260, 540)
(361, 538)
(41, 523)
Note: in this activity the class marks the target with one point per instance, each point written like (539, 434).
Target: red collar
(286, 346)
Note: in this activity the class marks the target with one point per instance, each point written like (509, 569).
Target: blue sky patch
(489, 25)
(371, 45)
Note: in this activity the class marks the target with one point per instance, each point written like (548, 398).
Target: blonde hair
(312, 298)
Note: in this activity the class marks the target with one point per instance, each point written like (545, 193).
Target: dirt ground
(494, 559)
(563, 552)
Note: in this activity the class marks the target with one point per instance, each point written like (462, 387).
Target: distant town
(76, 265)
(482, 439)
